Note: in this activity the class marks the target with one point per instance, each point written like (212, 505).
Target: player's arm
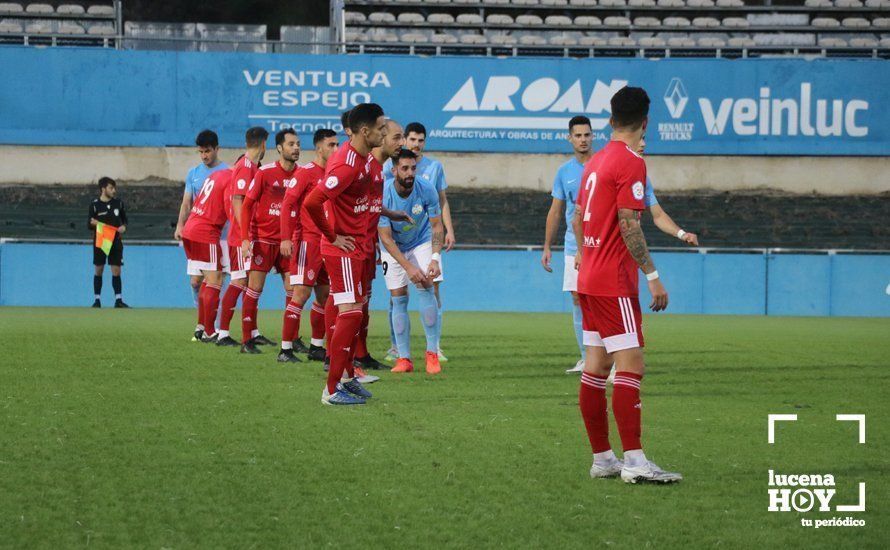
(385, 232)
(254, 191)
(550, 229)
(396, 215)
(314, 206)
(446, 218)
(92, 221)
(438, 239)
(664, 222)
(123, 227)
(578, 231)
(184, 208)
(635, 241)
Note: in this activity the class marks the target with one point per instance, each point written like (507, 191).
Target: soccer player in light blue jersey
(565, 192)
(207, 143)
(431, 170)
(412, 254)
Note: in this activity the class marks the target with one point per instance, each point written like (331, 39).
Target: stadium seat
(100, 10)
(498, 1)
(410, 17)
(680, 42)
(825, 22)
(10, 7)
(622, 41)
(832, 42)
(647, 22)
(784, 39)
(11, 27)
(877, 3)
(652, 42)
(730, 3)
(525, 2)
(778, 19)
(881, 22)
(676, 22)
(502, 39)
(563, 40)
(532, 40)
(641, 3)
(594, 41)
(554, 2)
(443, 38)
(69, 27)
(855, 22)
(440, 18)
(70, 9)
(818, 4)
(616, 21)
(582, 2)
(613, 3)
(529, 20)
(741, 42)
(848, 3)
(735, 22)
(671, 3)
(39, 27)
(885, 42)
(700, 3)
(101, 29)
(711, 42)
(382, 17)
(149, 36)
(472, 39)
(382, 35)
(863, 42)
(354, 17)
(469, 19)
(414, 38)
(39, 9)
(588, 21)
(706, 22)
(352, 37)
(498, 19)
(558, 20)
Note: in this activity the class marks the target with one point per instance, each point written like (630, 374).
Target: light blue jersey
(428, 168)
(565, 188)
(196, 176)
(649, 200)
(422, 204)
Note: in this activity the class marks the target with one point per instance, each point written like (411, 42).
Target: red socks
(229, 302)
(316, 318)
(626, 408)
(340, 346)
(594, 411)
(201, 304)
(290, 331)
(288, 296)
(361, 345)
(210, 304)
(330, 319)
(249, 308)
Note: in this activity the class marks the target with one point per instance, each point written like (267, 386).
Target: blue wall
(33, 274)
(97, 96)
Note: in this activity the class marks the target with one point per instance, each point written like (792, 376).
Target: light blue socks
(431, 317)
(401, 325)
(579, 330)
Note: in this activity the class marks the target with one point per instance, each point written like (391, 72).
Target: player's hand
(545, 259)
(177, 233)
(659, 295)
(401, 216)
(286, 248)
(433, 270)
(449, 241)
(245, 248)
(415, 274)
(345, 243)
(578, 261)
(691, 239)
(122, 229)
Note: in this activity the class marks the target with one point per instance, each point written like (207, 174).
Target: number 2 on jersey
(589, 186)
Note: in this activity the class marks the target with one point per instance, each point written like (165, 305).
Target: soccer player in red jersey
(200, 238)
(612, 248)
(301, 242)
(261, 230)
(339, 207)
(242, 174)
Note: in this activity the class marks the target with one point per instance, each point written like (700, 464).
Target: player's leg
(363, 359)
(428, 306)
(620, 320)
(197, 255)
(302, 279)
(237, 284)
(348, 298)
(212, 285)
(256, 280)
(396, 279)
(316, 320)
(437, 290)
(98, 270)
(116, 261)
(290, 328)
(392, 354)
(570, 284)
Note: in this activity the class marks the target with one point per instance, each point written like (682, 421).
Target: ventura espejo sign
(478, 104)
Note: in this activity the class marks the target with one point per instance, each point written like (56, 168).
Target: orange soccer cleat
(432, 363)
(403, 365)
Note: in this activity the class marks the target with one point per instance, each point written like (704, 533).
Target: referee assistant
(110, 211)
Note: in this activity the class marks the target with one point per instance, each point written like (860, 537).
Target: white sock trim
(317, 342)
(635, 458)
(287, 345)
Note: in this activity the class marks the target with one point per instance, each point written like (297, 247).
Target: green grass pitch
(116, 431)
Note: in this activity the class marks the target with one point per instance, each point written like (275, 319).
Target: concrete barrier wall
(828, 175)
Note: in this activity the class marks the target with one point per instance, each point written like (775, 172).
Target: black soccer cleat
(368, 363)
(210, 339)
(327, 364)
(198, 335)
(97, 303)
(299, 346)
(263, 341)
(250, 347)
(287, 356)
(119, 304)
(227, 341)
(317, 353)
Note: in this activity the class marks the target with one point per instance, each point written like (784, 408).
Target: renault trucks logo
(676, 98)
(520, 108)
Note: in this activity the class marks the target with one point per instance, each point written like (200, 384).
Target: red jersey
(266, 189)
(375, 200)
(208, 214)
(293, 220)
(615, 177)
(346, 185)
(242, 174)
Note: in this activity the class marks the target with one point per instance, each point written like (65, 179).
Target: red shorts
(203, 256)
(613, 322)
(347, 279)
(264, 256)
(236, 263)
(306, 264)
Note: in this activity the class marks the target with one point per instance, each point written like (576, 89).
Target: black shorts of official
(115, 257)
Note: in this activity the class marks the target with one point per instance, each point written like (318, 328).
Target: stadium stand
(41, 24)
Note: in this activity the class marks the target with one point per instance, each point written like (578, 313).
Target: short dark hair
(364, 114)
(279, 137)
(207, 138)
(105, 181)
(579, 120)
(344, 119)
(256, 136)
(322, 134)
(405, 154)
(630, 107)
(415, 127)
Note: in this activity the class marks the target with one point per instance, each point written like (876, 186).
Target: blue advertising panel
(82, 96)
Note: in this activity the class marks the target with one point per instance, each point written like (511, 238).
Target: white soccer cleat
(368, 379)
(442, 358)
(579, 367)
(611, 468)
(611, 377)
(648, 472)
